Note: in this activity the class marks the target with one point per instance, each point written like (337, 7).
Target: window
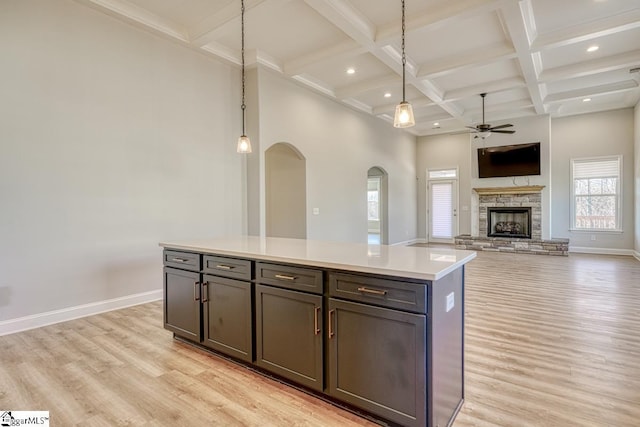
(373, 196)
(443, 173)
(596, 193)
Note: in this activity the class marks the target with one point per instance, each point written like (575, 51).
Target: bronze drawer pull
(285, 277)
(179, 259)
(195, 291)
(224, 267)
(205, 292)
(331, 333)
(371, 291)
(317, 330)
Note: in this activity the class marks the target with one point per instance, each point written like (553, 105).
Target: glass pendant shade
(484, 134)
(244, 145)
(404, 115)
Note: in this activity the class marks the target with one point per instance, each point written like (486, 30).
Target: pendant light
(244, 144)
(404, 111)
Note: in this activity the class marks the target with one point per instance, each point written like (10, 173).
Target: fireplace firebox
(509, 222)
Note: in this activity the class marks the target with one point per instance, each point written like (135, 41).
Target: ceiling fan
(483, 130)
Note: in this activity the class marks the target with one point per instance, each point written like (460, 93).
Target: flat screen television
(509, 160)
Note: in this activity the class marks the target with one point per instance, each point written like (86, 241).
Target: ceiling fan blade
(501, 126)
(472, 127)
(502, 131)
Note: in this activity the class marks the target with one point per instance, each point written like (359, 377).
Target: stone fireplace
(509, 219)
(509, 222)
(504, 202)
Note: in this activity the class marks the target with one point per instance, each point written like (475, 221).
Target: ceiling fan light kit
(484, 130)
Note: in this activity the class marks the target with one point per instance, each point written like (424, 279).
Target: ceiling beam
(335, 52)
(486, 87)
(352, 90)
(468, 59)
(520, 24)
(593, 66)
(138, 15)
(588, 31)
(592, 91)
(438, 16)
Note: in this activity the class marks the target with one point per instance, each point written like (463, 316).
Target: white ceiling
(530, 56)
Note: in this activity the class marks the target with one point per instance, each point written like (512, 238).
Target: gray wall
(285, 191)
(592, 135)
(439, 152)
(340, 145)
(636, 179)
(111, 140)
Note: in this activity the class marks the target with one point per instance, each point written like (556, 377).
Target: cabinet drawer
(233, 268)
(284, 276)
(183, 260)
(382, 292)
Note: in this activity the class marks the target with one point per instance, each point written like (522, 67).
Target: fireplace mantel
(523, 189)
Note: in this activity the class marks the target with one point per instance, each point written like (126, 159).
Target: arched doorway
(285, 192)
(377, 206)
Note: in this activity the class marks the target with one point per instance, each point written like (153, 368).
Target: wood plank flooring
(550, 341)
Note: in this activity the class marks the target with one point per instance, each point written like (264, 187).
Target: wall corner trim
(56, 316)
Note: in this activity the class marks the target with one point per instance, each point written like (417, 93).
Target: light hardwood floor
(549, 342)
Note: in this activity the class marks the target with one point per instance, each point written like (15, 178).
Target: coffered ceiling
(530, 56)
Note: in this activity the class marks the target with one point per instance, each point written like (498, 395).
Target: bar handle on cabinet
(181, 260)
(371, 291)
(285, 277)
(316, 321)
(224, 267)
(331, 333)
(205, 292)
(195, 291)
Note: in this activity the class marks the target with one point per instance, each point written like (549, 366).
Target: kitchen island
(376, 328)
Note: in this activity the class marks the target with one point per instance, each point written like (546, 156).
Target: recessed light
(387, 95)
(351, 70)
(586, 100)
(592, 48)
(436, 124)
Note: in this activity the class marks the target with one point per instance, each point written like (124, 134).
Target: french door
(443, 210)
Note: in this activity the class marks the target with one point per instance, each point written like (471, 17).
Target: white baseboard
(408, 242)
(56, 316)
(636, 255)
(600, 251)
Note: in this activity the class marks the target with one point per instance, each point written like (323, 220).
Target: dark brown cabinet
(213, 309)
(389, 346)
(289, 332)
(227, 315)
(182, 315)
(377, 360)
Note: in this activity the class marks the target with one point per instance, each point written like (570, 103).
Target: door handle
(331, 333)
(205, 292)
(316, 324)
(195, 291)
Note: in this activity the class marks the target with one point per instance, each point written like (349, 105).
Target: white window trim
(572, 202)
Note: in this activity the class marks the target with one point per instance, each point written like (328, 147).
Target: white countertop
(401, 261)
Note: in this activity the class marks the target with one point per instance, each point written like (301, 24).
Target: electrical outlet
(593, 237)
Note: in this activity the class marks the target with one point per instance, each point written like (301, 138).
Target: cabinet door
(377, 360)
(182, 303)
(289, 335)
(227, 316)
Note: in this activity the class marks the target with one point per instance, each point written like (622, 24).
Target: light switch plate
(451, 301)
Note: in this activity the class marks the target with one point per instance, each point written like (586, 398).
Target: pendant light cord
(404, 58)
(243, 106)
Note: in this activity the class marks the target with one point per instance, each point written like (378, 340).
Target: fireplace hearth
(509, 222)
